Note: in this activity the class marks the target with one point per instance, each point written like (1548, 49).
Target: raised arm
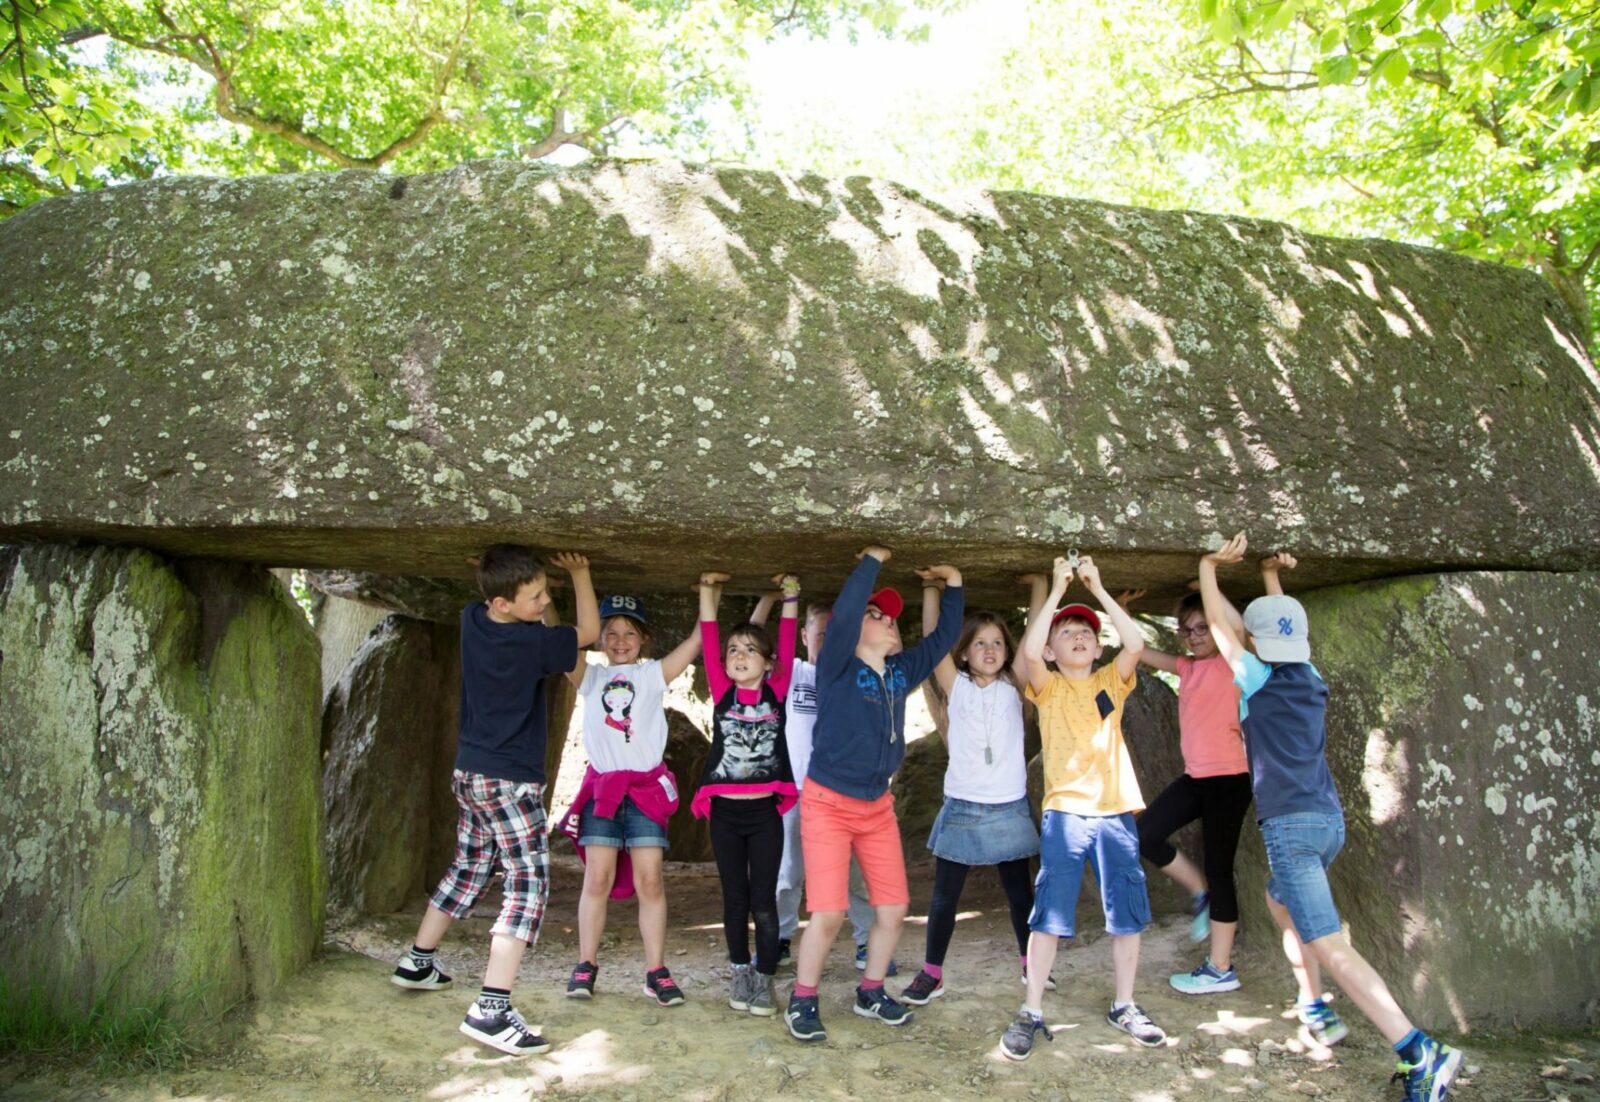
(788, 631)
(1230, 640)
(587, 608)
(944, 672)
(1127, 631)
(1031, 654)
(1278, 560)
(710, 643)
(844, 630)
(765, 602)
(1155, 659)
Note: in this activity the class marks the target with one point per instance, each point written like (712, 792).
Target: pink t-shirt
(1208, 718)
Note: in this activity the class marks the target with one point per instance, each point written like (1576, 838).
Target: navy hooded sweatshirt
(861, 714)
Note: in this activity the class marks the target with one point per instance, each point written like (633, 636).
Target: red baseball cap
(1082, 612)
(889, 602)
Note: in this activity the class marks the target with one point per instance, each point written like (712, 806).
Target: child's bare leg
(1361, 982)
(435, 924)
(1222, 934)
(1185, 872)
(1307, 973)
(652, 904)
(1124, 964)
(505, 957)
(885, 936)
(599, 873)
(814, 946)
(1041, 958)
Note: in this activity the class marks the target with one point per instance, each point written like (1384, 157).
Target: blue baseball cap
(620, 605)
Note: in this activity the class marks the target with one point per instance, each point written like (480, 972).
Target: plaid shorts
(500, 822)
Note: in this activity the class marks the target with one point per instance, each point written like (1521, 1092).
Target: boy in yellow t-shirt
(1090, 796)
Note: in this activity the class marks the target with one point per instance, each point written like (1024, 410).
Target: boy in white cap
(1283, 704)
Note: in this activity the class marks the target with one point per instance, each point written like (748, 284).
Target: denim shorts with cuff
(630, 828)
(1300, 847)
(1110, 844)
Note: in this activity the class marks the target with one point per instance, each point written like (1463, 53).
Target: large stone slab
(382, 374)
(1464, 734)
(160, 813)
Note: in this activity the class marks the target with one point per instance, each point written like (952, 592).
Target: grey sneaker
(1017, 1044)
(762, 1002)
(739, 987)
(1133, 1021)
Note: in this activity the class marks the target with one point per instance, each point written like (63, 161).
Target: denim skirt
(984, 834)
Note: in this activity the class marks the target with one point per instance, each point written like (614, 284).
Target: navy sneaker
(581, 984)
(1017, 1044)
(803, 1019)
(861, 962)
(1429, 1078)
(504, 1030)
(922, 989)
(878, 1003)
(1320, 1025)
(659, 986)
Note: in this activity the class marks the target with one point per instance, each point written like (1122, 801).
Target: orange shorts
(832, 827)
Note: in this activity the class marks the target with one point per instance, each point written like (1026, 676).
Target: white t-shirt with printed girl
(987, 764)
(624, 721)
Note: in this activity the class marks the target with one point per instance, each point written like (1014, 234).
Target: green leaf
(1337, 70)
(1393, 67)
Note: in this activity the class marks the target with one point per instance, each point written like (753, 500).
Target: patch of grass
(150, 1037)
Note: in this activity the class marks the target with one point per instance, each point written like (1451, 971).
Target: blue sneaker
(878, 1003)
(804, 1019)
(861, 962)
(1321, 1026)
(1200, 908)
(1208, 979)
(1429, 1078)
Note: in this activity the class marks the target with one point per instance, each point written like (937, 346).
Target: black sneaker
(1133, 1021)
(581, 984)
(1017, 1043)
(804, 1019)
(426, 977)
(922, 989)
(504, 1030)
(659, 986)
(878, 1003)
(783, 952)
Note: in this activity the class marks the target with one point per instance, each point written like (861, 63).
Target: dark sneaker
(1429, 1078)
(861, 962)
(922, 989)
(739, 987)
(1133, 1021)
(1320, 1025)
(659, 986)
(783, 952)
(581, 984)
(1017, 1044)
(1049, 981)
(878, 1003)
(803, 1019)
(418, 977)
(1208, 979)
(763, 1003)
(504, 1030)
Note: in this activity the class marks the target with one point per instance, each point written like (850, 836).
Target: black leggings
(949, 877)
(747, 837)
(1220, 803)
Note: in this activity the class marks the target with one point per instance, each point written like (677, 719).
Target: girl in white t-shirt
(625, 739)
(986, 818)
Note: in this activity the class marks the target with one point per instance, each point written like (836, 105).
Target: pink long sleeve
(711, 655)
(783, 667)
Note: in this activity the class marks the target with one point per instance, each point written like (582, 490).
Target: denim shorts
(1300, 847)
(630, 828)
(1110, 844)
(984, 834)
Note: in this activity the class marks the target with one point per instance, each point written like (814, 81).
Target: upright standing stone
(160, 819)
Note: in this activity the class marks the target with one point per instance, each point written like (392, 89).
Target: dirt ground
(342, 1031)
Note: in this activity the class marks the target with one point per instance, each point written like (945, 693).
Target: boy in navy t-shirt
(507, 651)
(1283, 704)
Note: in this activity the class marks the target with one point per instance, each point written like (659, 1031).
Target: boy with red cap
(1089, 799)
(846, 808)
